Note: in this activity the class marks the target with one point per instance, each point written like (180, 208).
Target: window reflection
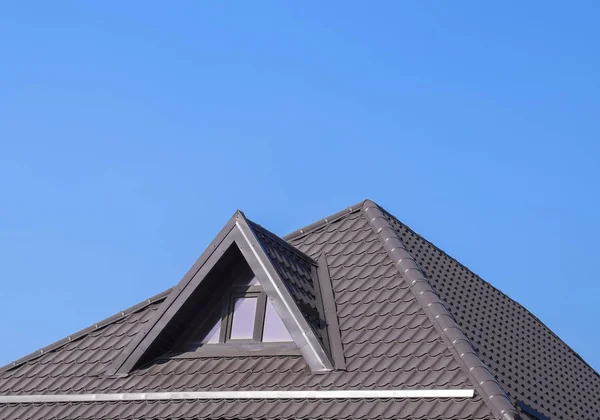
(244, 314)
(274, 329)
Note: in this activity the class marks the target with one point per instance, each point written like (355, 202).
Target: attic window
(246, 316)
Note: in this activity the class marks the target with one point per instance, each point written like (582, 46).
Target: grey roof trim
(242, 395)
(290, 314)
(81, 333)
(330, 313)
(487, 385)
(325, 221)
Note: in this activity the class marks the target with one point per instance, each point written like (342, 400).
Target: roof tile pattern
(530, 362)
(78, 365)
(388, 342)
(296, 272)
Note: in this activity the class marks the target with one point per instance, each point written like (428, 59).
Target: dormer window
(246, 316)
(249, 294)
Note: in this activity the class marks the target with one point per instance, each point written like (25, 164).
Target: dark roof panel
(297, 271)
(531, 363)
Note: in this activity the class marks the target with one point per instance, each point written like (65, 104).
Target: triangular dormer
(245, 315)
(249, 293)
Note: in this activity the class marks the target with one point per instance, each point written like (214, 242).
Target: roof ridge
(491, 391)
(493, 287)
(83, 332)
(324, 221)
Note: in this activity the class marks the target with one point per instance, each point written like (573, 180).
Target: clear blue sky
(129, 134)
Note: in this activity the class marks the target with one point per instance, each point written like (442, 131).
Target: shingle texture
(296, 271)
(387, 338)
(531, 363)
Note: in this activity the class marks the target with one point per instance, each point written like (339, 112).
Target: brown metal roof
(390, 338)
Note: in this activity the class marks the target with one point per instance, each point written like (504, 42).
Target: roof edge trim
(330, 313)
(325, 221)
(493, 395)
(242, 395)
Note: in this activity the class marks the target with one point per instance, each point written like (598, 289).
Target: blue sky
(129, 134)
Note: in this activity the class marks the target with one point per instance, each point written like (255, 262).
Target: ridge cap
(492, 393)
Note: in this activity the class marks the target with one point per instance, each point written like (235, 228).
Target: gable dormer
(249, 293)
(243, 321)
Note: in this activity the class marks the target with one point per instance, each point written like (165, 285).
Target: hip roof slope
(532, 364)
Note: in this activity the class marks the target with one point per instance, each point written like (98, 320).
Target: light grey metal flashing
(493, 395)
(240, 395)
(330, 314)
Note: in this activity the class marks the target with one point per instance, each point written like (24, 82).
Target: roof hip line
(493, 395)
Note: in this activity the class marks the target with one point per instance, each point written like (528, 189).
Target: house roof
(408, 317)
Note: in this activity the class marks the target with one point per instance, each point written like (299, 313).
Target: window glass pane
(243, 318)
(274, 329)
(213, 335)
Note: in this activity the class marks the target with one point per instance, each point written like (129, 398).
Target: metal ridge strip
(322, 222)
(241, 395)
